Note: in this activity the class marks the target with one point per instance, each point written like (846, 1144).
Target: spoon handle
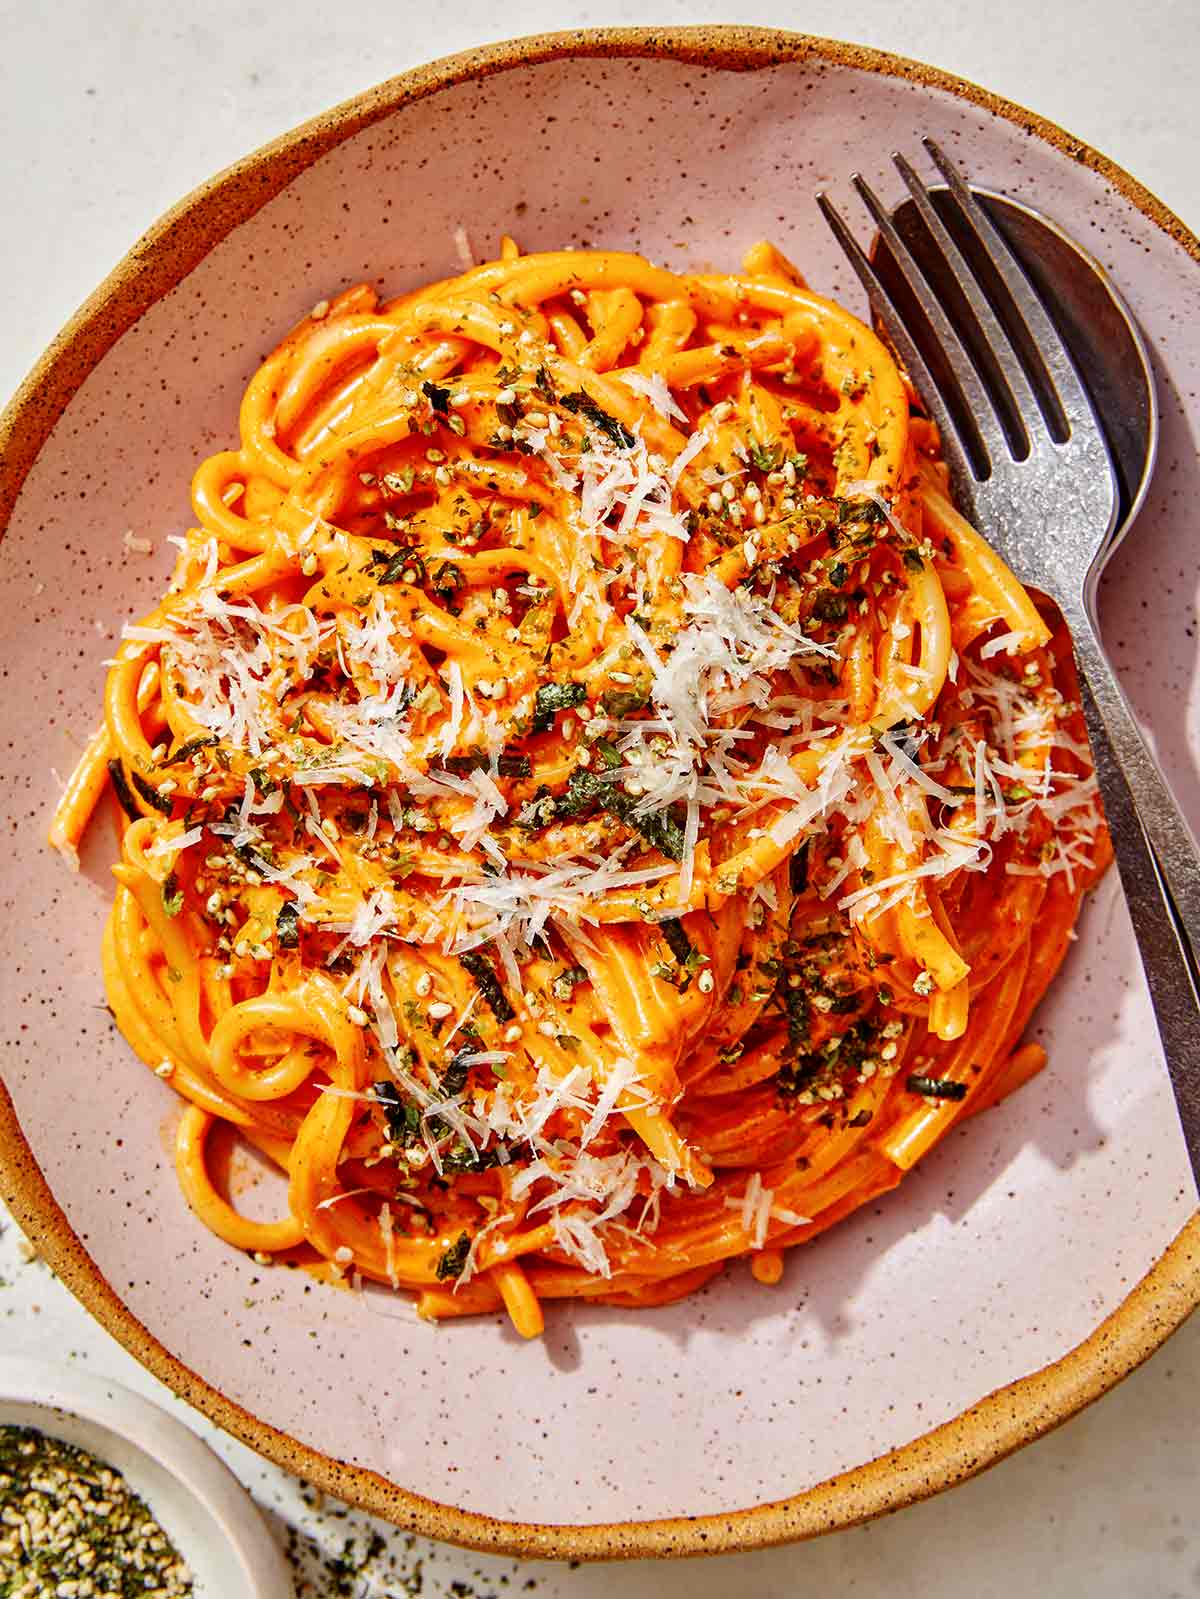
(1159, 868)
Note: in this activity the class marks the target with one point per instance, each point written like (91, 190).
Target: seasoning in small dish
(72, 1526)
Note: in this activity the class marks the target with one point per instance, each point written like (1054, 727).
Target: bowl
(205, 1512)
(1031, 1262)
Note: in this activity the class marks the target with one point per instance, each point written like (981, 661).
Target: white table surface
(110, 110)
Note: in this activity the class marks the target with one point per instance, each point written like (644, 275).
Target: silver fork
(1032, 469)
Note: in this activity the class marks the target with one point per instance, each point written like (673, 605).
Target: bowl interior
(1010, 1243)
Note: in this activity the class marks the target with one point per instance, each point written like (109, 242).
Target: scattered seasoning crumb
(70, 1525)
(351, 1556)
(134, 544)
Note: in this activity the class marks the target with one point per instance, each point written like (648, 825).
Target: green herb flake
(475, 963)
(677, 940)
(452, 1261)
(765, 457)
(406, 566)
(936, 1087)
(438, 397)
(121, 788)
(622, 702)
(581, 404)
(172, 895)
(190, 748)
(159, 802)
(552, 698)
(287, 926)
(403, 1120)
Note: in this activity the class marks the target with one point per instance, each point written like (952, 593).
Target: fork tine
(954, 445)
(1062, 378)
(978, 402)
(1008, 372)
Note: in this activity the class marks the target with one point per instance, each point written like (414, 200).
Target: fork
(1031, 467)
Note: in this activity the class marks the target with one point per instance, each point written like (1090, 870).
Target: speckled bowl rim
(1000, 1423)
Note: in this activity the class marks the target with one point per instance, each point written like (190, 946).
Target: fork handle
(1160, 872)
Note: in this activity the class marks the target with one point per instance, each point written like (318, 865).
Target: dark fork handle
(1135, 798)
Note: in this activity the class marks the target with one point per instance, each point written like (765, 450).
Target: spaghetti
(593, 808)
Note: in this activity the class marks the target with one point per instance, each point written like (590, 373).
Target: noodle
(593, 808)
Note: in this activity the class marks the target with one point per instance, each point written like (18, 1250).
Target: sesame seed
(752, 493)
(512, 1033)
(165, 1068)
(75, 1528)
(434, 456)
(357, 1015)
(423, 985)
(343, 1254)
(728, 492)
(705, 982)
(439, 1010)
(715, 502)
(547, 1029)
(505, 396)
(308, 565)
(721, 412)
(760, 514)
(461, 398)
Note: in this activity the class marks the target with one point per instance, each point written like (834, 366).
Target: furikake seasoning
(73, 1528)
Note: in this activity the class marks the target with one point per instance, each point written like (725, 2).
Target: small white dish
(200, 1505)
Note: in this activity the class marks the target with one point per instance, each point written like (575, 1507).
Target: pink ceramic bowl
(1029, 1263)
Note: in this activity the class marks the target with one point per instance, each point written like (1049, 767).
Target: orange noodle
(593, 808)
